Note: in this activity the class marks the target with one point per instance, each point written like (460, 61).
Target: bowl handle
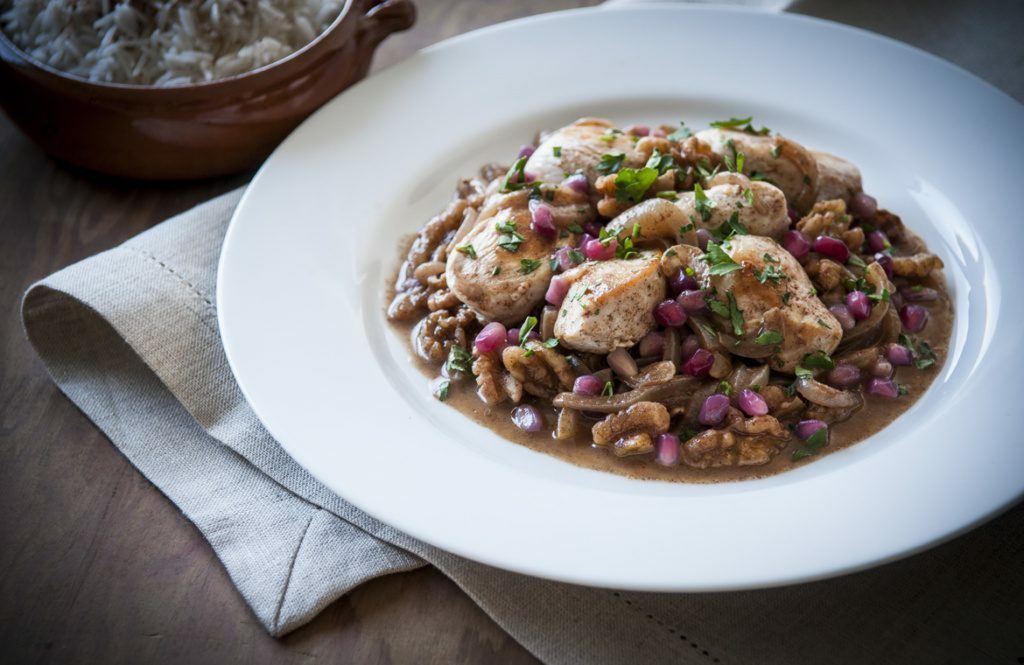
(380, 18)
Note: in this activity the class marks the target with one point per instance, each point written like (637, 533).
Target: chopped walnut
(440, 330)
(891, 224)
(637, 444)
(780, 403)
(494, 384)
(827, 274)
(715, 448)
(429, 246)
(768, 426)
(643, 417)
(442, 299)
(854, 238)
(543, 372)
(826, 217)
(918, 265)
(829, 414)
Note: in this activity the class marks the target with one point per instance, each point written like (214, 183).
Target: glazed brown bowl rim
(202, 86)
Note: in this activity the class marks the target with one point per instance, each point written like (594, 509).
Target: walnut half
(632, 431)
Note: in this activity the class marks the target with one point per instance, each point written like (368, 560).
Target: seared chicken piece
(610, 304)
(654, 219)
(727, 194)
(779, 315)
(500, 268)
(837, 178)
(580, 147)
(787, 164)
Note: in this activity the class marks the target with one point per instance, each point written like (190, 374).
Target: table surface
(95, 564)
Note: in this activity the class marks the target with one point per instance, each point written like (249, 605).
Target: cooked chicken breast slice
(727, 193)
(580, 148)
(610, 304)
(786, 163)
(837, 178)
(775, 298)
(510, 272)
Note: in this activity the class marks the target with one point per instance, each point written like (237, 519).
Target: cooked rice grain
(163, 42)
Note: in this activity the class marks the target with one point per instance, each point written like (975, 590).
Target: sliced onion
(525, 151)
(823, 395)
(622, 363)
(842, 314)
(542, 221)
(563, 257)
(652, 344)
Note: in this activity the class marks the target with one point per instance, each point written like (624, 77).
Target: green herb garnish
(459, 360)
(526, 266)
(743, 124)
(515, 179)
(510, 238)
(609, 389)
(818, 360)
(703, 203)
(769, 338)
(441, 392)
(735, 315)
(682, 133)
(556, 150)
(718, 261)
(611, 162)
(660, 162)
(631, 184)
(467, 250)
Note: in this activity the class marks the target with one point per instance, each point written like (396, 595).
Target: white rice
(163, 42)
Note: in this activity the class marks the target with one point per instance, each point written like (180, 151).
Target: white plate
(313, 243)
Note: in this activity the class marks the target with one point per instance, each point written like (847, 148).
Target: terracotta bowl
(192, 131)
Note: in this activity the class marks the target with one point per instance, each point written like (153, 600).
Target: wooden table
(95, 564)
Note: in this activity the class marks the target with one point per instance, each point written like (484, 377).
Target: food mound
(698, 300)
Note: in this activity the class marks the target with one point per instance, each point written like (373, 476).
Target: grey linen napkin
(130, 335)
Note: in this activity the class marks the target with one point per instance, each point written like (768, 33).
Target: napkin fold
(131, 337)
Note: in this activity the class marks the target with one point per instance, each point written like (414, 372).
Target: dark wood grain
(96, 566)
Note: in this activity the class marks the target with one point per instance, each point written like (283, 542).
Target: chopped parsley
(515, 179)
(524, 330)
(856, 262)
(670, 195)
(769, 338)
(824, 325)
(818, 360)
(702, 167)
(576, 256)
(924, 356)
(735, 315)
(812, 445)
(550, 343)
(611, 162)
(742, 124)
(575, 228)
(443, 387)
(682, 133)
(771, 273)
(716, 305)
(526, 266)
(510, 238)
(719, 263)
(803, 373)
(704, 204)
(785, 297)
(776, 151)
(459, 360)
(660, 162)
(880, 297)
(467, 250)
(556, 150)
(748, 196)
(496, 271)
(732, 227)
(725, 388)
(736, 162)
(609, 389)
(632, 184)
(610, 135)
